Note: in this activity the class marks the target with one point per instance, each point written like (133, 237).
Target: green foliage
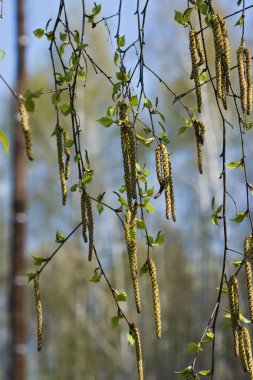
(59, 237)
(239, 218)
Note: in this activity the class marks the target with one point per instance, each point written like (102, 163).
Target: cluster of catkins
(24, 120)
(64, 165)
(196, 52)
(242, 344)
(222, 57)
(129, 226)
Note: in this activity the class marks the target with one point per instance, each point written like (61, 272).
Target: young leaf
(148, 103)
(39, 33)
(240, 217)
(235, 164)
(100, 208)
(37, 260)
(121, 297)
(59, 237)
(130, 338)
(30, 276)
(87, 177)
(144, 269)
(5, 142)
(205, 372)
(106, 121)
(134, 101)
(115, 320)
(141, 224)
(96, 277)
(68, 144)
(193, 347)
(74, 187)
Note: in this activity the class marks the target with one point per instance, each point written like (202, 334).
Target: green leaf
(96, 10)
(121, 297)
(239, 2)
(68, 143)
(100, 208)
(184, 371)
(37, 260)
(243, 319)
(77, 37)
(96, 277)
(178, 17)
(59, 238)
(5, 142)
(236, 264)
(74, 187)
(240, 217)
(209, 336)
(115, 320)
(144, 269)
(130, 339)
(159, 239)
(56, 97)
(116, 58)
(150, 208)
(87, 176)
(81, 74)
(134, 101)
(148, 103)
(122, 189)
(235, 164)
(121, 41)
(141, 224)
(68, 76)
(63, 36)
(106, 121)
(182, 130)
(187, 15)
(240, 21)
(123, 201)
(65, 109)
(227, 324)
(30, 276)
(205, 372)
(111, 111)
(39, 33)
(2, 54)
(193, 347)
(29, 96)
(203, 77)
(215, 219)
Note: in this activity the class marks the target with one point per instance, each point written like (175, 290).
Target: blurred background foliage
(79, 341)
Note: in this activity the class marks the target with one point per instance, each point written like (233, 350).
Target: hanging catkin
(199, 50)
(218, 45)
(36, 280)
(67, 152)
(166, 173)
(225, 53)
(242, 351)
(195, 71)
(172, 196)
(248, 80)
(128, 153)
(24, 120)
(156, 298)
(158, 160)
(84, 216)
(58, 133)
(248, 253)
(199, 128)
(137, 340)
(248, 351)
(233, 295)
(242, 80)
(130, 238)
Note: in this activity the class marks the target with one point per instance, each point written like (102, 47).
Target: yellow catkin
(172, 196)
(84, 217)
(195, 72)
(199, 50)
(248, 252)
(218, 44)
(248, 80)
(199, 128)
(156, 298)
(58, 132)
(38, 308)
(67, 153)
(166, 172)
(242, 81)
(130, 238)
(24, 119)
(248, 351)
(137, 341)
(132, 159)
(242, 351)
(226, 52)
(233, 295)
(128, 153)
(158, 161)
(90, 225)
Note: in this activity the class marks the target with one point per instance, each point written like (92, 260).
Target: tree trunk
(18, 220)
